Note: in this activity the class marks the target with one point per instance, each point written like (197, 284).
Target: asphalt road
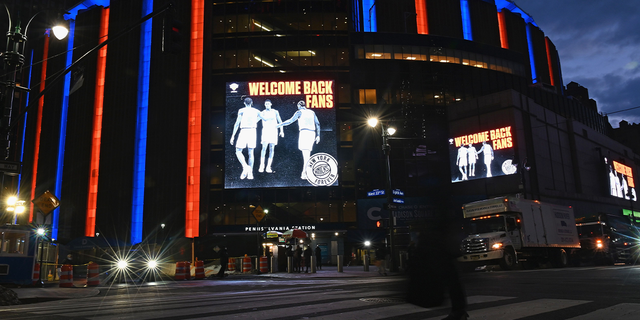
(585, 293)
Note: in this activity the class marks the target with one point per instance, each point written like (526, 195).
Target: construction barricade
(66, 276)
(231, 266)
(93, 274)
(246, 264)
(199, 270)
(180, 270)
(264, 266)
(187, 270)
(36, 274)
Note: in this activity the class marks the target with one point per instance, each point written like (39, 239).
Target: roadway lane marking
(623, 311)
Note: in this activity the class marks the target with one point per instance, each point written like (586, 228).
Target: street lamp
(386, 148)
(41, 232)
(14, 60)
(16, 206)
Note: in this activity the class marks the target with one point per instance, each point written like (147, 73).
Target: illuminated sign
(280, 134)
(621, 183)
(483, 154)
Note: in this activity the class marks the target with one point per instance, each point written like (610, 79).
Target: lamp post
(386, 148)
(41, 233)
(13, 58)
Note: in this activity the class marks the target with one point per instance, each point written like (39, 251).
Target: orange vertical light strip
(36, 149)
(192, 218)
(421, 17)
(549, 62)
(92, 199)
(502, 25)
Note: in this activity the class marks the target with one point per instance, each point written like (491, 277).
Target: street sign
(390, 206)
(258, 213)
(398, 200)
(398, 192)
(47, 202)
(10, 167)
(376, 192)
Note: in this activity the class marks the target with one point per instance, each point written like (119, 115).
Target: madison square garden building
(160, 129)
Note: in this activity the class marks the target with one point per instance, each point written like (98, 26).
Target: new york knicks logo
(322, 170)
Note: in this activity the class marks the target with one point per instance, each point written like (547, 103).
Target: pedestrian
(307, 258)
(297, 256)
(318, 258)
(381, 260)
(224, 261)
(68, 259)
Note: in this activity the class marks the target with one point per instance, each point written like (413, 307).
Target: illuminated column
(549, 61)
(36, 148)
(502, 25)
(466, 20)
(369, 15)
(140, 157)
(194, 137)
(92, 200)
(421, 17)
(532, 60)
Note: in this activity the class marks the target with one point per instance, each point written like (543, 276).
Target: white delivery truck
(506, 230)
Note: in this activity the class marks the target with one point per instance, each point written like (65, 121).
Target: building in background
(149, 136)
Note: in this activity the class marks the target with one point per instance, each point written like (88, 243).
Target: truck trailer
(510, 230)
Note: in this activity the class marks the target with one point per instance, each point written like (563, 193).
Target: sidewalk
(53, 291)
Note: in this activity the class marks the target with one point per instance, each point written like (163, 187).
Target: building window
(367, 96)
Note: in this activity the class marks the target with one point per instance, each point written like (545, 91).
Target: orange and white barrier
(187, 270)
(199, 270)
(246, 264)
(36, 274)
(180, 271)
(93, 274)
(264, 268)
(66, 276)
(231, 266)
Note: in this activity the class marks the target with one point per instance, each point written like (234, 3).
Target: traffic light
(171, 34)
(382, 223)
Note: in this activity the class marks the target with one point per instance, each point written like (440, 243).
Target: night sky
(599, 46)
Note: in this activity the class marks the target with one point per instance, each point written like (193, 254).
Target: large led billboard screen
(280, 134)
(621, 183)
(483, 154)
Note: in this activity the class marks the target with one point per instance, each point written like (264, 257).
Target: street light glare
(367, 243)
(12, 200)
(40, 231)
(372, 122)
(60, 31)
(391, 130)
(20, 209)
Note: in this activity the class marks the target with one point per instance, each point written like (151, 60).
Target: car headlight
(122, 264)
(152, 264)
(496, 246)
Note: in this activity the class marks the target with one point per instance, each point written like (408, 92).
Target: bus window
(13, 242)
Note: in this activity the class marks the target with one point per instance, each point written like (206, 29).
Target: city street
(594, 292)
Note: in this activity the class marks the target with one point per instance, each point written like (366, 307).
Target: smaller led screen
(280, 134)
(621, 183)
(483, 154)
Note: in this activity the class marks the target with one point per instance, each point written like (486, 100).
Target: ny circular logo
(322, 170)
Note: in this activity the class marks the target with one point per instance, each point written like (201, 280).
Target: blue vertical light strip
(466, 20)
(63, 127)
(532, 62)
(369, 15)
(140, 156)
(24, 124)
(356, 15)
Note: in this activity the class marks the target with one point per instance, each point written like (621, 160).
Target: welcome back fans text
(318, 94)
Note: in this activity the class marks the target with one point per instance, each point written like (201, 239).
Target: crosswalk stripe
(232, 309)
(521, 309)
(400, 309)
(623, 311)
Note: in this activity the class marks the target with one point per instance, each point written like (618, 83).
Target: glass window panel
(346, 132)
(344, 93)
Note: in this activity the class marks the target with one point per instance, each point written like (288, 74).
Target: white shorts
(246, 139)
(306, 139)
(270, 135)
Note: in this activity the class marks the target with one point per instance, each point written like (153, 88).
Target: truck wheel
(508, 260)
(561, 259)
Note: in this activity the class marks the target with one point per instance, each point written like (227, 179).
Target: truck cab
(606, 239)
